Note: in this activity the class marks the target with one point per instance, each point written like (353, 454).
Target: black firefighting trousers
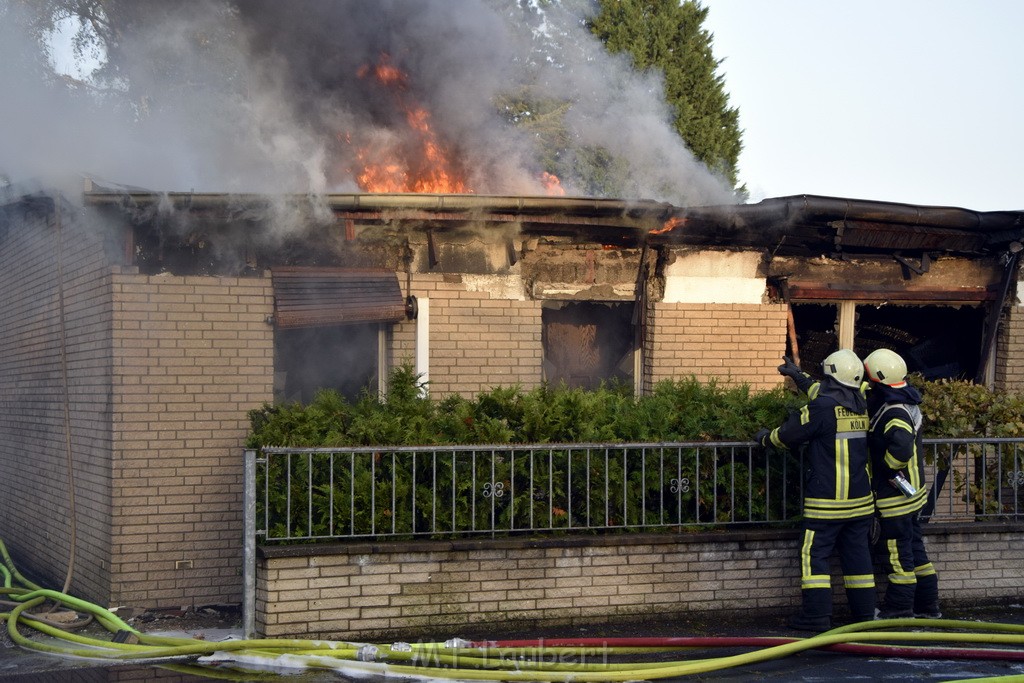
(851, 538)
(913, 584)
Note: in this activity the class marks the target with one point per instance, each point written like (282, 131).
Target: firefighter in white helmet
(897, 467)
(837, 505)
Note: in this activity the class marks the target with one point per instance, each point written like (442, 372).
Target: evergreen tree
(667, 35)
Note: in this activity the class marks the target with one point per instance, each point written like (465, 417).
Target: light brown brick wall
(38, 251)
(976, 567)
(192, 356)
(1010, 352)
(730, 343)
(443, 589)
(477, 341)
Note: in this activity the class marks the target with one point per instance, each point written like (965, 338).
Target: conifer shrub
(736, 484)
(676, 410)
(680, 410)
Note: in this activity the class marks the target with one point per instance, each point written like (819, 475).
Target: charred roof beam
(908, 267)
(883, 235)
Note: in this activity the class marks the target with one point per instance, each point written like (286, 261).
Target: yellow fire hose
(583, 661)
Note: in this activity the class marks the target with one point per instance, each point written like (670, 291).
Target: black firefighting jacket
(894, 440)
(834, 426)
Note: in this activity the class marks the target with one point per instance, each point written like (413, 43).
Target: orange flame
(384, 71)
(426, 165)
(552, 185)
(669, 225)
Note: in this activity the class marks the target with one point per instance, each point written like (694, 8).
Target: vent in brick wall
(309, 297)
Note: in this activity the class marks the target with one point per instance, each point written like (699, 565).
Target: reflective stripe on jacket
(894, 439)
(837, 482)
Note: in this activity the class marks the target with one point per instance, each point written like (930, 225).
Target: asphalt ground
(17, 664)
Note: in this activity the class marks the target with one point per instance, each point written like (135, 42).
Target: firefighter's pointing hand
(789, 368)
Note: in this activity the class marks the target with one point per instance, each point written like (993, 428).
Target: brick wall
(732, 343)
(47, 355)
(1010, 351)
(478, 339)
(192, 355)
(446, 589)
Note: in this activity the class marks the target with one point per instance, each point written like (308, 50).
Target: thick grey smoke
(270, 96)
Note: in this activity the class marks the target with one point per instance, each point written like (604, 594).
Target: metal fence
(976, 479)
(319, 494)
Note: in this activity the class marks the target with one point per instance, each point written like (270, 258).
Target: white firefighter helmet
(886, 367)
(845, 367)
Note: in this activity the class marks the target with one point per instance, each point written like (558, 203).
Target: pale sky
(911, 101)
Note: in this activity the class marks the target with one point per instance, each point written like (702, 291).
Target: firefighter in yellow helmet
(837, 506)
(894, 439)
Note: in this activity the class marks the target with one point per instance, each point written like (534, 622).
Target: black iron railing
(318, 494)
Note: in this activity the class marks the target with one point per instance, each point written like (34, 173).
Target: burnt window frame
(847, 324)
(626, 315)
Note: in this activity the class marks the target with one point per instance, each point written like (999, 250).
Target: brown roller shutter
(309, 297)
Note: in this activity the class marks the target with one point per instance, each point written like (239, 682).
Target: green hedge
(957, 408)
(352, 495)
(681, 410)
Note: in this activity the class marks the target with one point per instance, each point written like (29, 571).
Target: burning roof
(801, 225)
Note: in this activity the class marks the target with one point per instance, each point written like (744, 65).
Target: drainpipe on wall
(249, 545)
(383, 368)
(423, 341)
(65, 394)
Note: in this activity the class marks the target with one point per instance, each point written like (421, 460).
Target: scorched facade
(140, 328)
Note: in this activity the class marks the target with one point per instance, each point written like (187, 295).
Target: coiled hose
(580, 660)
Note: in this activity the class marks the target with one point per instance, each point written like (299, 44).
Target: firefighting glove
(790, 369)
(761, 437)
(876, 530)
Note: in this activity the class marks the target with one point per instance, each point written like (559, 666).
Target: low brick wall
(364, 591)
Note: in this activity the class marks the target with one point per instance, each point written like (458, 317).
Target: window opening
(587, 343)
(817, 334)
(937, 341)
(341, 357)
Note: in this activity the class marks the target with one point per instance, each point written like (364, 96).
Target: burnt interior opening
(817, 335)
(588, 343)
(937, 341)
(340, 357)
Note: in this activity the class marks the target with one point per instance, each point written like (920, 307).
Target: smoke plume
(290, 97)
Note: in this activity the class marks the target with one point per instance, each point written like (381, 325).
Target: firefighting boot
(815, 613)
(930, 611)
(803, 622)
(862, 603)
(926, 598)
(898, 602)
